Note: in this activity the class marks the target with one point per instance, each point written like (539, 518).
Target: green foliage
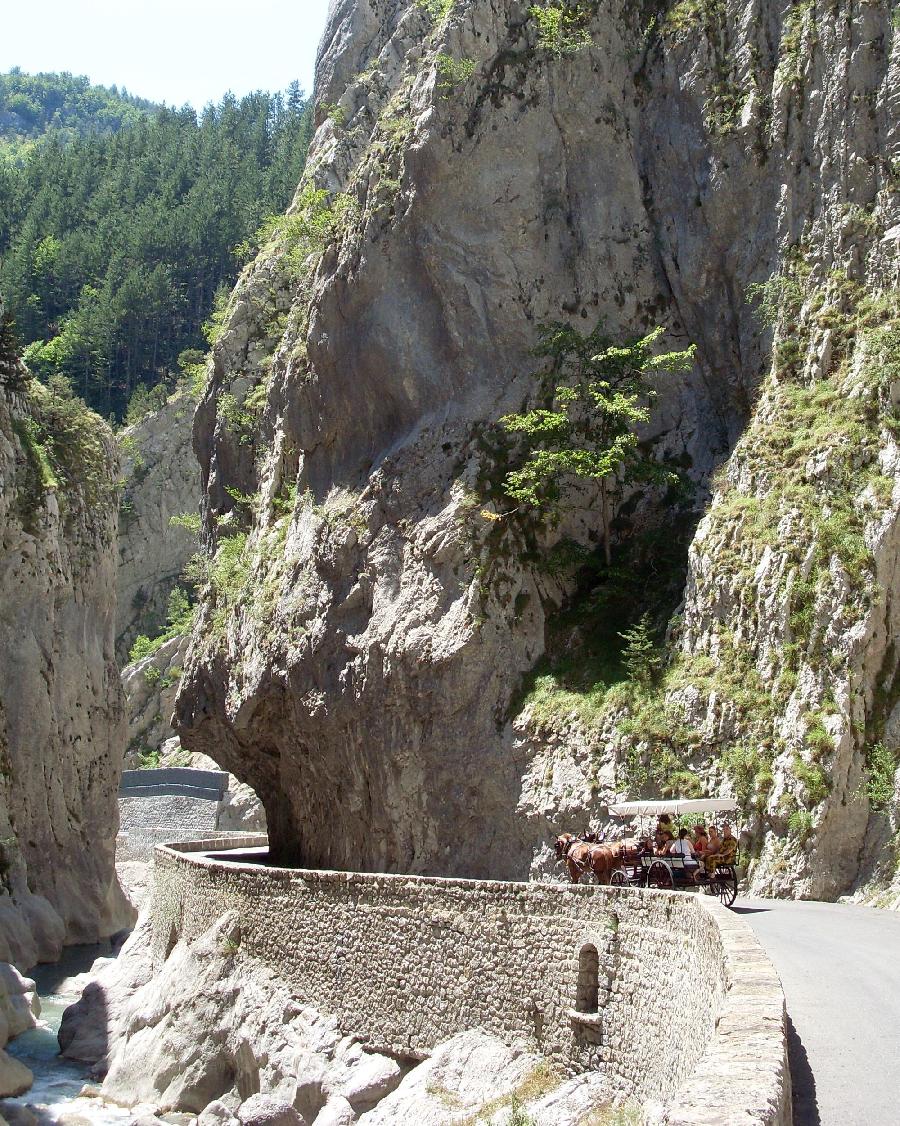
(641, 656)
(190, 521)
(749, 770)
(241, 500)
(800, 825)
(180, 614)
(32, 437)
(308, 228)
(68, 449)
(145, 400)
(799, 18)
(229, 574)
(881, 767)
(336, 112)
(562, 26)
(817, 738)
(214, 325)
(152, 675)
(583, 674)
(777, 298)
(192, 365)
(689, 16)
(113, 244)
(237, 421)
(438, 10)
(285, 501)
(453, 72)
(518, 1116)
(814, 780)
(69, 106)
(10, 345)
(141, 648)
(149, 760)
(593, 397)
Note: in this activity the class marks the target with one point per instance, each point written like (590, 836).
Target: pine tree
(641, 656)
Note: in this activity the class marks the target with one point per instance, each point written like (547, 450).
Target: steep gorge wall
(360, 653)
(61, 714)
(162, 480)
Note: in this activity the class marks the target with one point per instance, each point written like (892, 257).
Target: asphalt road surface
(840, 967)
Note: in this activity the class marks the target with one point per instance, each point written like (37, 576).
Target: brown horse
(601, 860)
(581, 857)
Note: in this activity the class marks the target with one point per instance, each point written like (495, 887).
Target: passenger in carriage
(683, 847)
(720, 850)
(663, 836)
(729, 846)
(701, 840)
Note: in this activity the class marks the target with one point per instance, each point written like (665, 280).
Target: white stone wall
(406, 962)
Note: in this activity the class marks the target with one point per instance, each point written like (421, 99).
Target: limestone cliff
(373, 655)
(162, 480)
(61, 715)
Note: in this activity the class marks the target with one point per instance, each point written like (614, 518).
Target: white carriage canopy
(673, 808)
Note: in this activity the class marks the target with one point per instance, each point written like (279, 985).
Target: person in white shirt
(683, 846)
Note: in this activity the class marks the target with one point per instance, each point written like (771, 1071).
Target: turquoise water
(58, 1082)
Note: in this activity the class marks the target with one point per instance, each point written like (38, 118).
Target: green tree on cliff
(594, 394)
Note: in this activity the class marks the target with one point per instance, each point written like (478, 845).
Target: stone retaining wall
(594, 978)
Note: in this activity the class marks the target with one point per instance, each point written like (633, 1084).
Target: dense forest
(33, 104)
(113, 244)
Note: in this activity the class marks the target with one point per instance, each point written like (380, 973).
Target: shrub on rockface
(68, 450)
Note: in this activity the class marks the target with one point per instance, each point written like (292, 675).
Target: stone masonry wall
(406, 962)
(145, 822)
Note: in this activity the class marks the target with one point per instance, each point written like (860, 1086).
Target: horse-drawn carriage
(633, 861)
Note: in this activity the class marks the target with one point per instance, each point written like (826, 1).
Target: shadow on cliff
(803, 1082)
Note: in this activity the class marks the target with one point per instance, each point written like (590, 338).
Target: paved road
(840, 967)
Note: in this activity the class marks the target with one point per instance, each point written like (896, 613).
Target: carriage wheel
(660, 876)
(617, 879)
(725, 883)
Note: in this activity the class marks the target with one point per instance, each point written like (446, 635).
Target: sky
(172, 51)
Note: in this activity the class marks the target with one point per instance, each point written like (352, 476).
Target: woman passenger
(713, 846)
(701, 840)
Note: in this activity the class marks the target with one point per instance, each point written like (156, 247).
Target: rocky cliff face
(162, 480)
(61, 715)
(367, 656)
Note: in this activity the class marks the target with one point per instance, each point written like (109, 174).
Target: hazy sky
(174, 51)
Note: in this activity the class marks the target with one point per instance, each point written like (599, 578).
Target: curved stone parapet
(611, 980)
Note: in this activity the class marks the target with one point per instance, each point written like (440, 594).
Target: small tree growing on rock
(595, 394)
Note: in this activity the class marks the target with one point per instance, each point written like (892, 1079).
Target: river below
(56, 1095)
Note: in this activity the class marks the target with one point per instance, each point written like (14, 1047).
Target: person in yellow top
(720, 850)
